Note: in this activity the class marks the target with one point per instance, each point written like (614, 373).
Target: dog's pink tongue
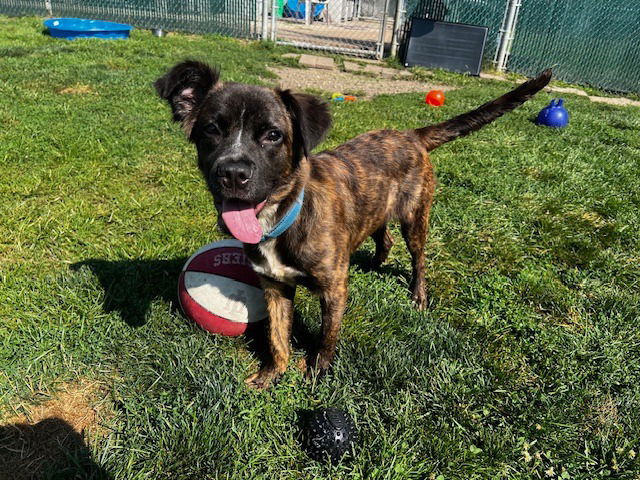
(240, 218)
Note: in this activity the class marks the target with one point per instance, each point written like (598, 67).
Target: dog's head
(250, 139)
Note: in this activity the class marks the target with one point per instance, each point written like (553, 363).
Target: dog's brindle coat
(350, 192)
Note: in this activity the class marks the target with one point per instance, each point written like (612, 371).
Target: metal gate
(355, 27)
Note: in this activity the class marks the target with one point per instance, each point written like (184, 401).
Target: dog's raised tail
(436, 135)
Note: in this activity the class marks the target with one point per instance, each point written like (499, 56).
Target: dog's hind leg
(384, 242)
(415, 229)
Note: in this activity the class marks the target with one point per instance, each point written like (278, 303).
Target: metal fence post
(308, 14)
(397, 24)
(274, 24)
(265, 20)
(383, 31)
(47, 6)
(507, 32)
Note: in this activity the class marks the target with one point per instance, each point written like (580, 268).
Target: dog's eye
(211, 129)
(274, 136)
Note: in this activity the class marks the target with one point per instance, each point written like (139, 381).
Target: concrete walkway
(373, 69)
(621, 101)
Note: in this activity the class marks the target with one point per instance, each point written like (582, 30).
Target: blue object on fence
(554, 115)
(71, 28)
(298, 9)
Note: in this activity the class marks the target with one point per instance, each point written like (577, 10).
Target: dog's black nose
(235, 175)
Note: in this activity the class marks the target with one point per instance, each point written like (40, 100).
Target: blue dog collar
(286, 221)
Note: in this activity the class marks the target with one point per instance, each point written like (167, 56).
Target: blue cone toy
(554, 115)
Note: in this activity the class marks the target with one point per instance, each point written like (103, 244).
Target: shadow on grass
(50, 449)
(130, 286)
(301, 339)
(363, 260)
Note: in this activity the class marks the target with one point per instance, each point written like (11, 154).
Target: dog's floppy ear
(185, 86)
(310, 119)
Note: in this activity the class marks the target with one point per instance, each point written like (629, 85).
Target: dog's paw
(263, 379)
(419, 299)
(418, 293)
(318, 365)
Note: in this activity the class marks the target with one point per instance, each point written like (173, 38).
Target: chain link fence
(227, 17)
(596, 42)
(355, 27)
(23, 7)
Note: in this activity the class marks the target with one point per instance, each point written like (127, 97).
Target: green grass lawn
(525, 365)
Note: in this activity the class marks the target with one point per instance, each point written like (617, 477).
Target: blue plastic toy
(554, 115)
(71, 28)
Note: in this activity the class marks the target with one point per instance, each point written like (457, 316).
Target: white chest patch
(272, 265)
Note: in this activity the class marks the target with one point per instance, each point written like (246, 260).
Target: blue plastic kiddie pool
(71, 28)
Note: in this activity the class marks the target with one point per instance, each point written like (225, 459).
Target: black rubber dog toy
(330, 433)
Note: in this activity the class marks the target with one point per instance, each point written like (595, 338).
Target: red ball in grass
(219, 290)
(435, 98)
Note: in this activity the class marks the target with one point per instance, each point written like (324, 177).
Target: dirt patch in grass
(77, 404)
(363, 86)
(77, 89)
(604, 418)
(52, 437)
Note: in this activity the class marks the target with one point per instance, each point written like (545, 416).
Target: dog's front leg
(333, 301)
(279, 299)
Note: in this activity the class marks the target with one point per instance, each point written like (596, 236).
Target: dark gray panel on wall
(452, 46)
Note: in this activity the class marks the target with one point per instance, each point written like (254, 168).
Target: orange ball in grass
(435, 98)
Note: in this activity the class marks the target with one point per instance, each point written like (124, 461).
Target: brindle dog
(253, 149)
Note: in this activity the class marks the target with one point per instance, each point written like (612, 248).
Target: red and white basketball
(219, 291)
